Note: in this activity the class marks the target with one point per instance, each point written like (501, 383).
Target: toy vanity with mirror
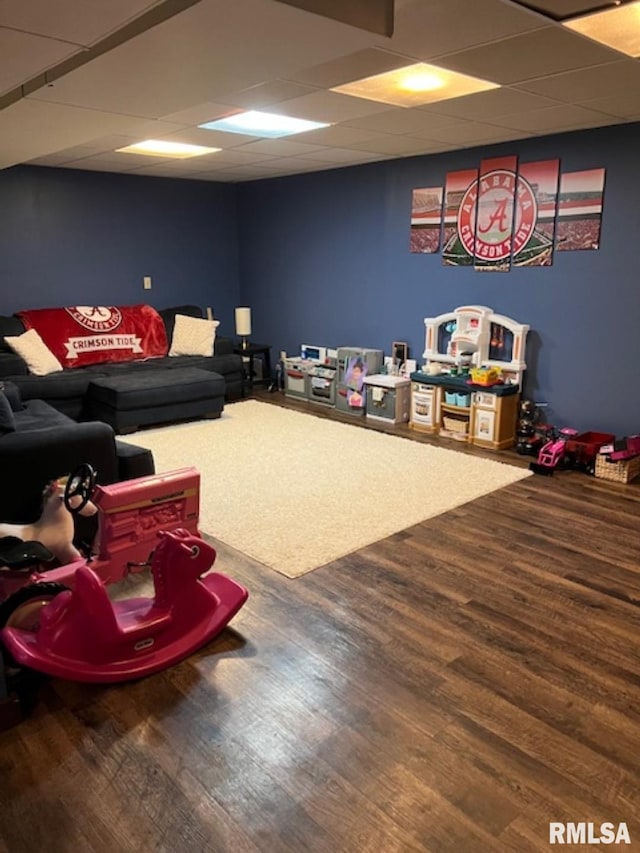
(469, 383)
(473, 336)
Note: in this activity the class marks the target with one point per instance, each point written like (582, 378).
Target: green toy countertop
(462, 383)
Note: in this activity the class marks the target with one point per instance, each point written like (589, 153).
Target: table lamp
(243, 324)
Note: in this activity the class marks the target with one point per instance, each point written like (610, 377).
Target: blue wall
(73, 237)
(324, 259)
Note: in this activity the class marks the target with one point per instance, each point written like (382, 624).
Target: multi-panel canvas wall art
(508, 214)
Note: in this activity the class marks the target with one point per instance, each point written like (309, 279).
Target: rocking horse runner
(59, 619)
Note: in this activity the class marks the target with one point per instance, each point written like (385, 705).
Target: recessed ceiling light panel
(169, 150)
(265, 125)
(415, 85)
(618, 28)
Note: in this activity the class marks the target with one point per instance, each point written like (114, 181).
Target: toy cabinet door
(484, 399)
(294, 383)
(484, 425)
(423, 406)
(381, 403)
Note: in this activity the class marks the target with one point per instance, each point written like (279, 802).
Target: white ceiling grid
(137, 70)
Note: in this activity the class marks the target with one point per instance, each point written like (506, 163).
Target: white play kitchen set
(467, 389)
(469, 385)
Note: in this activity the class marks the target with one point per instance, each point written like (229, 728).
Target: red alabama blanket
(89, 334)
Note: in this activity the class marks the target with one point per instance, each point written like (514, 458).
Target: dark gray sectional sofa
(45, 430)
(66, 391)
(38, 443)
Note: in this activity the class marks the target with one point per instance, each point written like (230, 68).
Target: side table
(250, 351)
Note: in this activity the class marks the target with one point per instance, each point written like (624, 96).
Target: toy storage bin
(450, 397)
(463, 399)
(455, 426)
(620, 472)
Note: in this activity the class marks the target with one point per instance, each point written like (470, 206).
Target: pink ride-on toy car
(553, 452)
(58, 618)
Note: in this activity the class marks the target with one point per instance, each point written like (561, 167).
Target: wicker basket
(455, 425)
(621, 472)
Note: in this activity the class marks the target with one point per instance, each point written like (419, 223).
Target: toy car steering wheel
(80, 484)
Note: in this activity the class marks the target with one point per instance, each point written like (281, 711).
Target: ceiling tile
(484, 105)
(144, 128)
(266, 94)
(214, 177)
(61, 19)
(257, 171)
(118, 160)
(281, 147)
(354, 66)
(199, 114)
(394, 145)
(22, 123)
(90, 165)
(230, 157)
(209, 174)
(77, 152)
(25, 56)
(543, 52)
(212, 138)
(338, 135)
(102, 144)
(343, 155)
(329, 107)
(463, 133)
(553, 119)
(57, 159)
(623, 104)
(597, 82)
(403, 121)
(427, 30)
(163, 169)
(285, 164)
(197, 55)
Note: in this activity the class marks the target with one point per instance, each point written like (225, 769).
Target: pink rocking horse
(64, 623)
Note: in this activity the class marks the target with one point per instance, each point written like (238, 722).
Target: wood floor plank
(454, 687)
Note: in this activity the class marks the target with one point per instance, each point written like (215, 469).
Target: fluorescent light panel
(169, 150)
(618, 28)
(415, 85)
(265, 125)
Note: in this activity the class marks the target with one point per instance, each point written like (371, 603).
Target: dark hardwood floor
(454, 687)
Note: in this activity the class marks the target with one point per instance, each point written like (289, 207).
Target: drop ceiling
(81, 78)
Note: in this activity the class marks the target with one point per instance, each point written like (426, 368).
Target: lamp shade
(243, 321)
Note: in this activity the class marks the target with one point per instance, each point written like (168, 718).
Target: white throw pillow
(193, 336)
(30, 346)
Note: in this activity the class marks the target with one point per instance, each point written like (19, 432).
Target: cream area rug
(295, 491)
